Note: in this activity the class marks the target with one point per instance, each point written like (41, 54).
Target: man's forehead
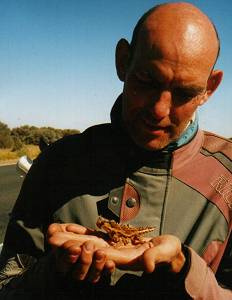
(152, 49)
(163, 38)
(165, 73)
(181, 49)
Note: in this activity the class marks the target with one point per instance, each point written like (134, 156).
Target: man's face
(162, 90)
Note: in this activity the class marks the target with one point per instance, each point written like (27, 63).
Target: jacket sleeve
(201, 283)
(24, 277)
(25, 266)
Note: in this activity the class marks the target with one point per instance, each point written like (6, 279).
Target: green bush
(17, 143)
(30, 135)
(6, 140)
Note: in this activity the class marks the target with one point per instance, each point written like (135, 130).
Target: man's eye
(144, 82)
(142, 78)
(183, 96)
(187, 96)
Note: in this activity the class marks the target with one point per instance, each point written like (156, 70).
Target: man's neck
(187, 134)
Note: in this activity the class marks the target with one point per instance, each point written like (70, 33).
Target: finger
(76, 228)
(55, 227)
(62, 227)
(127, 256)
(97, 267)
(84, 261)
(178, 263)
(103, 267)
(165, 249)
(109, 267)
(59, 238)
(150, 259)
(67, 256)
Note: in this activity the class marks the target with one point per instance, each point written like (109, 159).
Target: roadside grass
(7, 155)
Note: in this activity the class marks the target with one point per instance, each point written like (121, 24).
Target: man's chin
(153, 144)
(152, 140)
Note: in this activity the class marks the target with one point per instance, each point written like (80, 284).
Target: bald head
(167, 72)
(179, 26)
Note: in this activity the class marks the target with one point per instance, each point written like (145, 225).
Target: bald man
(150, 167)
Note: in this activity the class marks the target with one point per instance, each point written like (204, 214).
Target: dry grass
(7, 155)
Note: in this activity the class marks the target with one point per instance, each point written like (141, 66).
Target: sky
(57, 61)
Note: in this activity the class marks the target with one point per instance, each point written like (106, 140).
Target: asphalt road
(10, 183)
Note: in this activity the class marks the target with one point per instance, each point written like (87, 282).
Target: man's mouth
(154, 126)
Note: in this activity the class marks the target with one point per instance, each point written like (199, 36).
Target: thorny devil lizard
(120, 235)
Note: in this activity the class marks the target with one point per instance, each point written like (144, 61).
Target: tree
(32, 135)
(5, 136)
(17, 143)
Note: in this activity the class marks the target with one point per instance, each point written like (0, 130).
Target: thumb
(165, 249)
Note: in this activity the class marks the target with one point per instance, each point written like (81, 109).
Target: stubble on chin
(149, 143)
(154, 143)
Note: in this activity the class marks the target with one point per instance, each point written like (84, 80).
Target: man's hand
(89, 255)
(165, 249)
(80, 254)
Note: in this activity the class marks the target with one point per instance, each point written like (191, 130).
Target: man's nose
(160, 105)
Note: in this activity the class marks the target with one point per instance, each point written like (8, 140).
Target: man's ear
(213, 82)
(122, 57)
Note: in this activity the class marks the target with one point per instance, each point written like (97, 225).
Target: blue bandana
(186, 136)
